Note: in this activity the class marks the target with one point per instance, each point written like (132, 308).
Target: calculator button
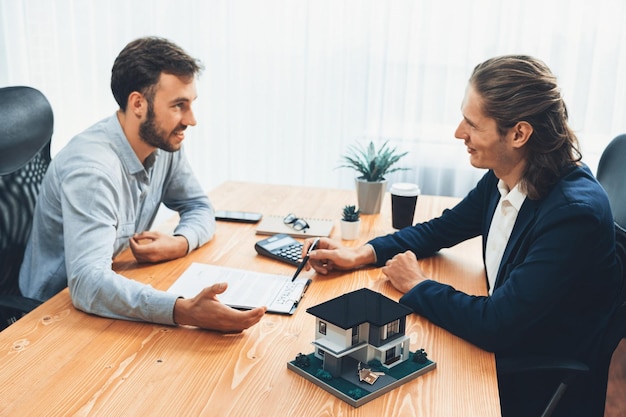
(292, 252)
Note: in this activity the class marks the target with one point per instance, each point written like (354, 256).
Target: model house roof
(360, 306)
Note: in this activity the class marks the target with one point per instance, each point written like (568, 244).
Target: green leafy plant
(351, 214)
(373, 164)
(324, 375)
(357, 393)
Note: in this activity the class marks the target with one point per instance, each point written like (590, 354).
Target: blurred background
(290, 84)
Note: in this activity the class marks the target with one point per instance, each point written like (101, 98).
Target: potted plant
(350, 223)
(373, 165)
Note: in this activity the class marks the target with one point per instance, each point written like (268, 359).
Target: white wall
(289, 84)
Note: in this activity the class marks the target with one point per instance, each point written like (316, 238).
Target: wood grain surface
(59, 361)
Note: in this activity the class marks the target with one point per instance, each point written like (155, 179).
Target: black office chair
(26, 123)
(612, 175)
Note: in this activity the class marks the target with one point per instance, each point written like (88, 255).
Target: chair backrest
(26, 124)
(612, 175)
(620, 249)
(617, 327)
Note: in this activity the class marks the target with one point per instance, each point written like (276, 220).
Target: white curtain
(290, 84)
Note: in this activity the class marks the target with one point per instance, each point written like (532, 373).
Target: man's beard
(151, 134)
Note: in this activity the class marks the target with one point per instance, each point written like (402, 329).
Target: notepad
(272, 225)
(246, 289)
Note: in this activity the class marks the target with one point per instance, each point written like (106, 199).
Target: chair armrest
(19, 303)
(13, 307)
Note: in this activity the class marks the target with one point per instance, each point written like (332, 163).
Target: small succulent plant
(351, 214)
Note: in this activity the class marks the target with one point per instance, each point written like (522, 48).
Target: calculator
(281, 247)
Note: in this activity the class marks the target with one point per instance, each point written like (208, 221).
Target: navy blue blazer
(558, 280)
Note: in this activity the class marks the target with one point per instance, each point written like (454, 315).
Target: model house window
(390, 329)
(321, 352)
(390, 355)
(322, 327)
(355, 335)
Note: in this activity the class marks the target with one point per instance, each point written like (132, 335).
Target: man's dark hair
(516, 88)
(140, 64)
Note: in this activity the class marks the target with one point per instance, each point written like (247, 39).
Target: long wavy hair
(517, 88)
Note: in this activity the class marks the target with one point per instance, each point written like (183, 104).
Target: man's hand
(330, 256)
(207, 312)
(403, 271)
(156, 246)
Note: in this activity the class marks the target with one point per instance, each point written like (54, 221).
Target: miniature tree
(302, 360)
(420, 356)
(356, 393)
(322, 374)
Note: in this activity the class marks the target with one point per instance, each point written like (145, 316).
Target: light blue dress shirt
(96, 194)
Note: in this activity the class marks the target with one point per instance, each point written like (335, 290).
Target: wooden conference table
(60, 361)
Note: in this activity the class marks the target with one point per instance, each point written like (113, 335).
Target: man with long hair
(548, 239)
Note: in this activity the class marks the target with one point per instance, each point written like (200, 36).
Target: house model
(362, 325)
(361, 349)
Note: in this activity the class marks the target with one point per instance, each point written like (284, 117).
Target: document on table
(246, 289)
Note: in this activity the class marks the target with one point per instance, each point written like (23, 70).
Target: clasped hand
(403, 271)
(156, 246)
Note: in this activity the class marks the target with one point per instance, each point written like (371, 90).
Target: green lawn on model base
(408, 368)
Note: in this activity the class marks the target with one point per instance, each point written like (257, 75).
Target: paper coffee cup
(403, 200)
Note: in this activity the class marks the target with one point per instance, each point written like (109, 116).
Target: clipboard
(246, 289)
(272, 225)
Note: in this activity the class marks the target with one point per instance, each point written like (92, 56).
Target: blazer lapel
(525, 219)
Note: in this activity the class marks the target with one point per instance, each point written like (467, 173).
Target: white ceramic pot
(350, 230)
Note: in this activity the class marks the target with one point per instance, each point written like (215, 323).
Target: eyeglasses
(295, 222)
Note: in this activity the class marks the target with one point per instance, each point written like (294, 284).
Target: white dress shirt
(501, 227)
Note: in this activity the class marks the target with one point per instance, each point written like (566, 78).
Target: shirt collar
(515, 196)
(126, 152)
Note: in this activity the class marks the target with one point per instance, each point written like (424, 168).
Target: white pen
(306, 259)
